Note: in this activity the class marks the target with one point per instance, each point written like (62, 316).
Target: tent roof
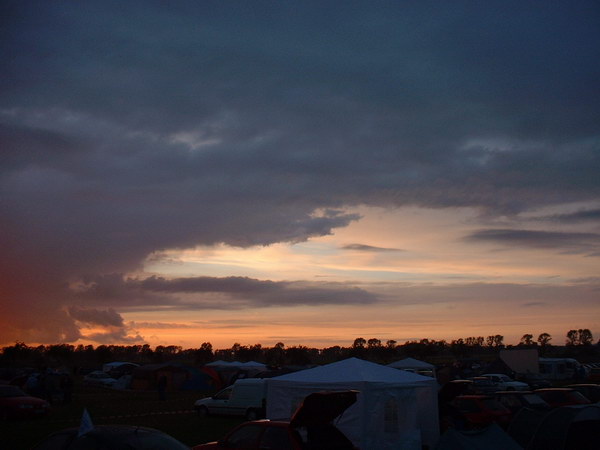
(411, 363)
(220, 362)
(237, 364)
(253, 364)
(354, 370)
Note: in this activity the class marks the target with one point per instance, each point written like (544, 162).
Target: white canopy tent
(395, 409)
(414, 365)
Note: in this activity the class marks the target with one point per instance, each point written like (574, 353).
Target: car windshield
(534, 400)
(99, 375)
(504, 378)
(11, 391)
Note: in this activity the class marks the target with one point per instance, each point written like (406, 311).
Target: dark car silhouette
(311, 428)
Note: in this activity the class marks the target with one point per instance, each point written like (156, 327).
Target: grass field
(174, 416)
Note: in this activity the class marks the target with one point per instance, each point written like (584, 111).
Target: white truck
(246, 397)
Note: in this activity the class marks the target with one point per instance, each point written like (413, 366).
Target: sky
(174, 173)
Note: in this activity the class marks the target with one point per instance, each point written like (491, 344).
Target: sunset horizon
(309, 174)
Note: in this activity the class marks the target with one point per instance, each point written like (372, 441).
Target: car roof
(514, 392)
(321, 408)
(475, 396)
(554, 389)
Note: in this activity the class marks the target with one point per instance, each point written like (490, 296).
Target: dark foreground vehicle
(557, 397)
(534, 380)
(515, 400)
(113, 437)
(478, 411)
(16, 404)
(588, 390)
(311, 428)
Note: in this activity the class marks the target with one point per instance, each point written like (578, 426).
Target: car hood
(321, 408)
(35, 401)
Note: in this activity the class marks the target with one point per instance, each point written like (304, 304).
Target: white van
(246, 397)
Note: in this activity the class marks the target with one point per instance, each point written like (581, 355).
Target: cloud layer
(254, 123)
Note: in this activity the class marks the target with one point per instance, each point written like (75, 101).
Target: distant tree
(544, 339)
(572, 338)
(585, 337)
(390, 343)
(204, 354)
(489, 341)
(458, 347)
(275, 356)
(373, 343)
(359, 343)
(498, 340)
(18, 352)
(527, 340)
(298, 355)
(332, 354)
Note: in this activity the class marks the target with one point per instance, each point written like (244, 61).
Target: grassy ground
(174, 416)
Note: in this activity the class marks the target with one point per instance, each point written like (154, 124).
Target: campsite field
(174, 416)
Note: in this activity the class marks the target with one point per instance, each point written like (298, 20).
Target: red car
(315, 416)
(16, 404)
(556, 397)
(476, 411)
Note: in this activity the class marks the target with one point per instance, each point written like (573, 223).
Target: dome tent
(414, 365)
(395, 409)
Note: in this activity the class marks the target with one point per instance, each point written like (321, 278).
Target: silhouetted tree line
(578, 343)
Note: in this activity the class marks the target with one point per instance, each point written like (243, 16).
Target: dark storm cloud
(370, 248)
(586, 243)
(97, 317)
(133, 127)
(232, 292)
(586, 215)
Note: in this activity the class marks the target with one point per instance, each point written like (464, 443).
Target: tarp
(490, 438)
(395, 409)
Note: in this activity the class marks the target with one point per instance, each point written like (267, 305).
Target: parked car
(589, 391)
(314, 416)
(515, 400)
(483, 385)
(115, 437)
(477, 411)
(556, 397)
(99, 378)
(534, 380)
(594, 374)
(505, 383)
(246, 398)
(16, 404)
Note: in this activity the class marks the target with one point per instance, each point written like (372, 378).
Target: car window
(510, 402)
(245, 437)
(534, 399)
(275, 438)
(224, 394)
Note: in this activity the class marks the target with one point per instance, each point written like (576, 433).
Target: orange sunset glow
(279, 174)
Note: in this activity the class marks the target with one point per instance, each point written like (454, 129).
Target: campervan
(561, 369)
(246, 397)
